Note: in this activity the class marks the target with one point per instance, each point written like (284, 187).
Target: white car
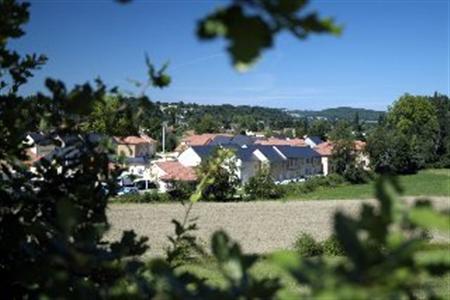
(145, 185)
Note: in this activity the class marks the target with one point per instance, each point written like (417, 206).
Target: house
(284, 162)
(313, 141)
(301, 162)
(39, 144)
(325, 149)
(165, 173)
(135, 146)
(138, 166)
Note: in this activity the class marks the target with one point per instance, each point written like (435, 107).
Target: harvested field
(259, 226)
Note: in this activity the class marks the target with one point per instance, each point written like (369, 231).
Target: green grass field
(431, 182)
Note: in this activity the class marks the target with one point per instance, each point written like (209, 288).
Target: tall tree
(441, 104)
(415, 117)
(358, 128)
(320, 128)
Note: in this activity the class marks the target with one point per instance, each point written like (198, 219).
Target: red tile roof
(197, 140)
(175, 171)
(200, 139)
(280, 142)
(326, 148)
(134, 140)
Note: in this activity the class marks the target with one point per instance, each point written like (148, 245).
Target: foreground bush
(306, 246)
(332, 247)
(181, 191)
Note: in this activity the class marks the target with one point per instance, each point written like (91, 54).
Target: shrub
(181, 190)
(332, 247)
(356, 174)
(150, 197)
(314, 183)
(261, 186)
(306, 246)
(220, 169)
(334, 180)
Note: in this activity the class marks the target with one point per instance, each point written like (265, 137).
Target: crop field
(260, 226)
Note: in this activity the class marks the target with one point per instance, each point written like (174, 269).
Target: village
(145, 169)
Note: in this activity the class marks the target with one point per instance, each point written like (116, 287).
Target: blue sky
(387, 48)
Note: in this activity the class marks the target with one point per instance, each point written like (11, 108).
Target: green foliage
(15, 69)
(218, 177)
(342, 113)
(271, 17)
(232, 264)
(384, 252)
(391, 152)
(344, 162)
(207, 124)
(341, 131)
(441, 104)
(181, 190)
(306, 246)
(53, 221)
(148, 197)
(415, 117)
(262, 186)
(332, 247)
(184, 244)
(319, 128)
(412, 135)
(312, 184)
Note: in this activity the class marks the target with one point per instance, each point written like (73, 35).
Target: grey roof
(204, 151)
(241, 140)
(69, 139)
(65, 154)
(297, 152)
(244, 154)
(40, 139)
(220, 140)
(268, 151)
(317, 140)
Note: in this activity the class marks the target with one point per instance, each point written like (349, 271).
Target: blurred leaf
(249, 34)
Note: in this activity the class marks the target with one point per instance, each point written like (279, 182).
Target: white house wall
(189, 158)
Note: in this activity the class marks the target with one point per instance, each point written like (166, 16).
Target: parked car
(127, 190)
(144, 185)
(287, 181)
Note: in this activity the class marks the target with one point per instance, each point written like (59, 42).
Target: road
(260, 226)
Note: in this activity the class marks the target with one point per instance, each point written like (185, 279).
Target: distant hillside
(346, 113)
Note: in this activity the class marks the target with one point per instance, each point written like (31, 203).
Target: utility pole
(164, 124)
